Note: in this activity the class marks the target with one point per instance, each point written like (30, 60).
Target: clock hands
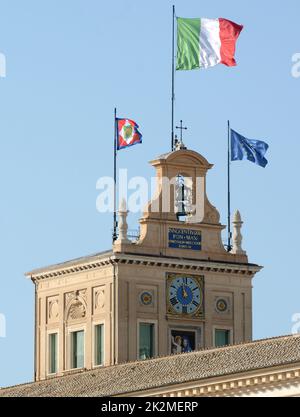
(184, 293)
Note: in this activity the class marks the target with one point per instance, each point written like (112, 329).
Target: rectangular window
(77, 349)
(53, 353)
(182, 341)
(222, 337)
(146, 340)
(99, 343)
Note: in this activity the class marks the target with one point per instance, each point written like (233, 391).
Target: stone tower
(174, 289)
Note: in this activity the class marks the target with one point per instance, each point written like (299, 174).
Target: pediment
(183, 158)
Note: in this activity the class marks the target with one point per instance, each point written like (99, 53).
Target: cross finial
(181, 129)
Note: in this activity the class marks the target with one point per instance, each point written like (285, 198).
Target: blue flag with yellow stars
(251, 149)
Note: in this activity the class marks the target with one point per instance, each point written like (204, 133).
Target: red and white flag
(127, 133)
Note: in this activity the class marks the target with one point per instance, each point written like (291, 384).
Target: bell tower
(181, 285)
(174, 289)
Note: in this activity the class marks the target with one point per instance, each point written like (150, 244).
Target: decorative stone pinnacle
(237, 217)
(123, 206)
(237, 237)
(123, 226)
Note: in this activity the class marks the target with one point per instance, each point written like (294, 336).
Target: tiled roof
(169, 370)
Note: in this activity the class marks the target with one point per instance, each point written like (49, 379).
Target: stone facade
(131, 284)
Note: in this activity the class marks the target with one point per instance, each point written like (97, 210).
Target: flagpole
(173, 77)
(114, 237)
(228, 189)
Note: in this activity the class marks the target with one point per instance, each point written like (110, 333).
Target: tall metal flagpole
(173, 78)
(228, 189)
(114, 237)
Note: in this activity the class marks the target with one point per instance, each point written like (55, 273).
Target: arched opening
(183, 198)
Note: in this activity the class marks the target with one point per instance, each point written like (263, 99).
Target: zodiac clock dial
(184, 295)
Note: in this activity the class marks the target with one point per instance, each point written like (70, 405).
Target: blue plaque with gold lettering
(184, 239)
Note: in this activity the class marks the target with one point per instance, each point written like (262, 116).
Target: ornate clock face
(184, 295)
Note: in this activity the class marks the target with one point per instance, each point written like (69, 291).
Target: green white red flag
(203, 43)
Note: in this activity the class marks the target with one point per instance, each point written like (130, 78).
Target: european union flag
(251, 149)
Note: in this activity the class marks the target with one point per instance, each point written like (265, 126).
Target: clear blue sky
(68, 64)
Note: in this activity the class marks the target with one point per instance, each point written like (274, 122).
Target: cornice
(180, 264)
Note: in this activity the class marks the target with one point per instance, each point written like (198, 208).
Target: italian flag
(203, 43)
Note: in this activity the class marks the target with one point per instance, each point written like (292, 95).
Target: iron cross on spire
(181, 129)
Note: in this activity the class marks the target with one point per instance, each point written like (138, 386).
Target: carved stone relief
(52, 309)
(75, 304)
(98, 299)
(76, 310)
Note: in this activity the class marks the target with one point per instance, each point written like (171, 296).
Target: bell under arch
(183, 196)
(192, 167)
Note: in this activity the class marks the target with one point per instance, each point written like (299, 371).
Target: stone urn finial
(237, 237)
